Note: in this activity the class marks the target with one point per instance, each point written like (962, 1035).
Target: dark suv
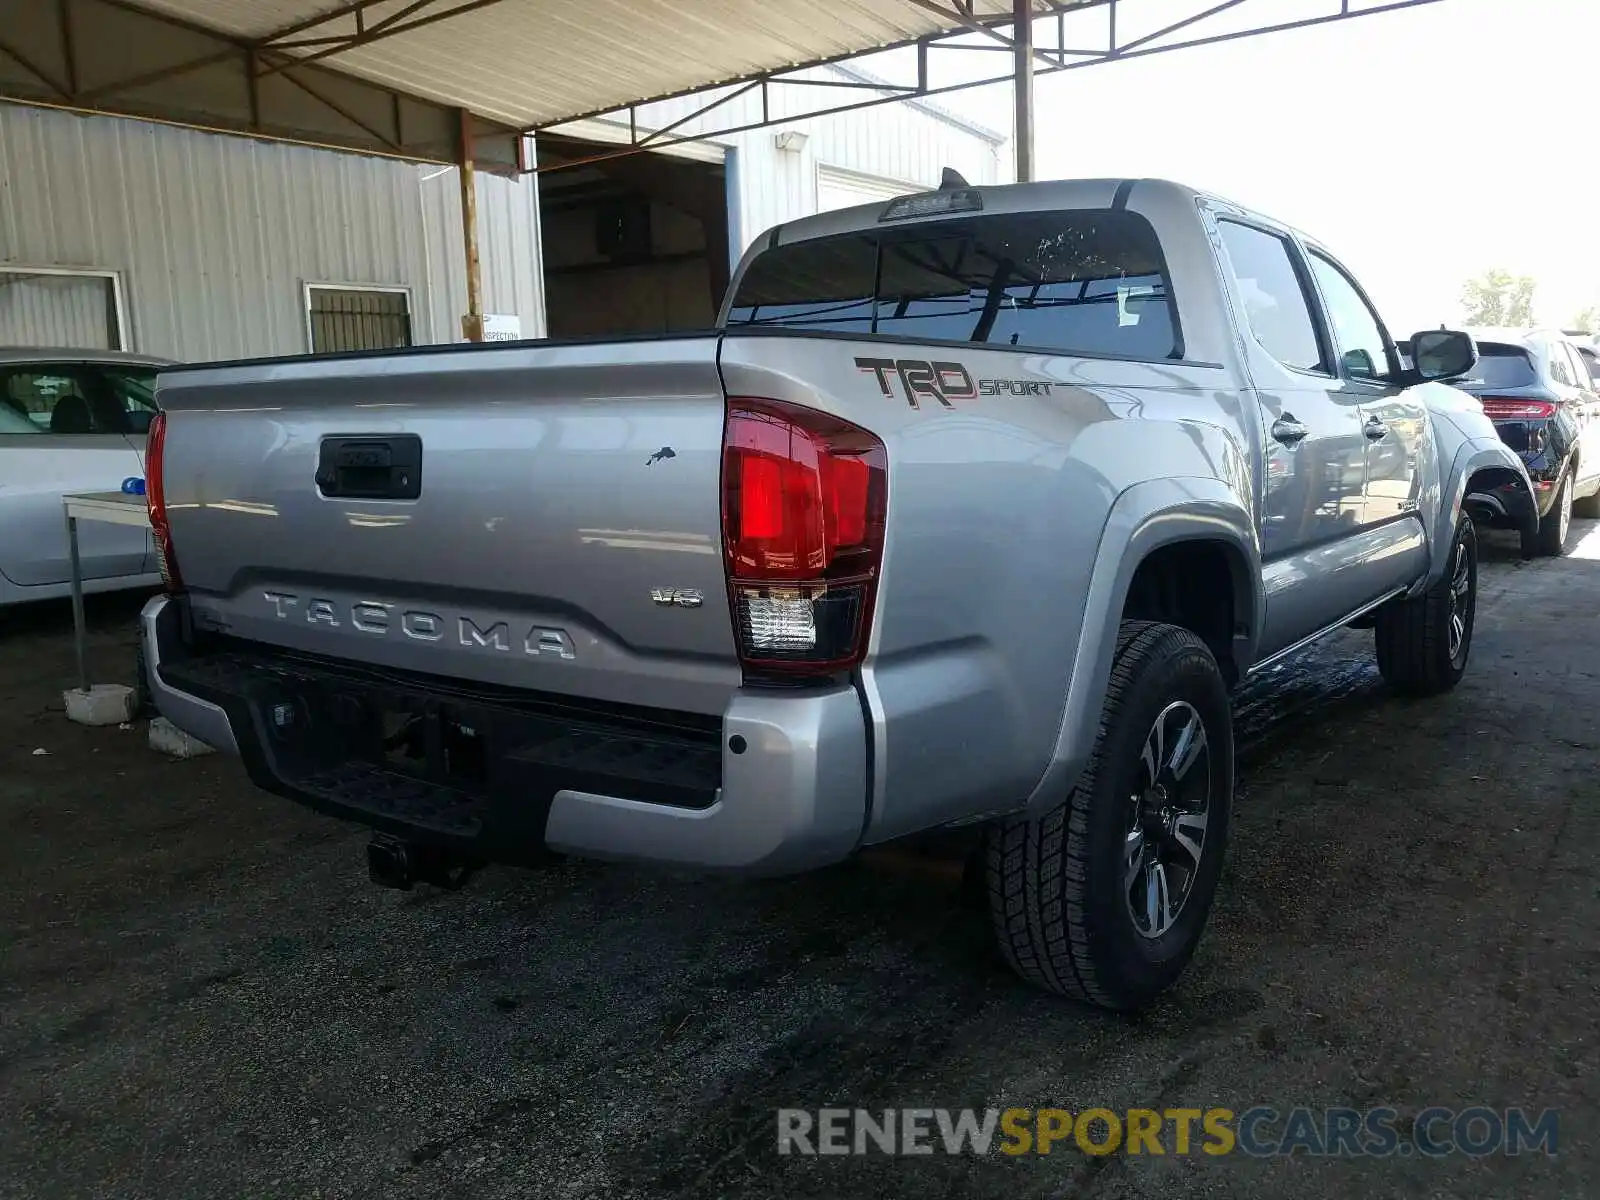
(1536, 386)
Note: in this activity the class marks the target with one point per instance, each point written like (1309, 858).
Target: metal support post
(1022, 46)
(472, 323)
(79, 636)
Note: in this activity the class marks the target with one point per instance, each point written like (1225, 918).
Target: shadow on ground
(204, 997)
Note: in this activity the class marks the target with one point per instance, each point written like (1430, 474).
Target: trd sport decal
(943, 381)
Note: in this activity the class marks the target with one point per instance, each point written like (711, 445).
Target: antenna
(951, 179)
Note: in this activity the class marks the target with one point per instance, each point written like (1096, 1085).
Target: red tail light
(1503, 407)
(804, 496)
(156, 498)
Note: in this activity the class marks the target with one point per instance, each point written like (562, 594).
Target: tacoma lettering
(376, 617)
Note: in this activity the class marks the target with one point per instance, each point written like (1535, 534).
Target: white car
(71, 421)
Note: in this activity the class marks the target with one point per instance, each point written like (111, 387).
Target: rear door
(60, 433)
(1325, 552)
(1393, 422)
(1315, 460)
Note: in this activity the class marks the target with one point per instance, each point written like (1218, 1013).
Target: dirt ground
(202, 996)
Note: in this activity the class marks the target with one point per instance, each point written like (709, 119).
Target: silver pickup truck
(971, 511)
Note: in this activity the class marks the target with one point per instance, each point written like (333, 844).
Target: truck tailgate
(564, 534)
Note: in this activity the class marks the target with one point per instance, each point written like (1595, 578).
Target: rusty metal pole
(1022, 84)
(472, 322)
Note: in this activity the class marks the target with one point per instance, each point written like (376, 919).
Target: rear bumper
(777, 785)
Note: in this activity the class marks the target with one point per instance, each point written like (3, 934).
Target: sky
(1422, 146)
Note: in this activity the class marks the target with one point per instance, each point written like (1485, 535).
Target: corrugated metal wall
(215, 237)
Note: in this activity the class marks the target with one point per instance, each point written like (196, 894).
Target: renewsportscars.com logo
(1259, 1132)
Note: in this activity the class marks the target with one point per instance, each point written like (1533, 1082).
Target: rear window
(1088, 282)
(1500, 366)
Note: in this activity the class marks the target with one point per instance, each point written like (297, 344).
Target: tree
(1498, 298)
(1588, 321)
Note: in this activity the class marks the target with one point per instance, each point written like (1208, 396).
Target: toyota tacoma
(970, 511)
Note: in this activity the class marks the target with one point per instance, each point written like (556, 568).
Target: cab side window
(1559, 370)
(1591, 369)
(1363, 350)
(1580, 372)
(1274, 299)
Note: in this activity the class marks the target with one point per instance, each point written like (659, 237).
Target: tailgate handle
(387, 467)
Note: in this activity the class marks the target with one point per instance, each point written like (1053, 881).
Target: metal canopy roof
(444, 80)
(530, 63)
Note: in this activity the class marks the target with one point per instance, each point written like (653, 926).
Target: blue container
(133, 485)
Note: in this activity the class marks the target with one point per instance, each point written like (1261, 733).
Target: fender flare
(1144, 518)
(1475, 455)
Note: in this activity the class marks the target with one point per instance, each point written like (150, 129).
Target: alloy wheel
(1461, 600)
(1166, 832)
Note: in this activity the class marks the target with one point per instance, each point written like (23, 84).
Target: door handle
(1375, 429)
(1287, 430)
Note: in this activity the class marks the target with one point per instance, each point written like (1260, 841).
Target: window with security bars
(358, 319)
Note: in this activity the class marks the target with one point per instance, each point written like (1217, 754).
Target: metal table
(114, 508)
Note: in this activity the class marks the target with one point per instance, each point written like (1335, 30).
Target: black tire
(1551, 540)
(1417, 653)
(1059, 881)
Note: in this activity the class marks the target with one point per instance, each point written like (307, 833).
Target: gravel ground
(201, 995)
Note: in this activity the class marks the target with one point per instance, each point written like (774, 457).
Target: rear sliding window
(1500, 366)
(1084, 282)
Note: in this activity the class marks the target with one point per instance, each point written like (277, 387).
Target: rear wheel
(1551, 540)
(1104, 896)
(1424, 643)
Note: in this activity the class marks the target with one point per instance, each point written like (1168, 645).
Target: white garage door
(843, 189)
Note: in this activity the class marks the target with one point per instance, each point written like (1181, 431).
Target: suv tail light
(804, 496)
(1504, 407)
(156, 497)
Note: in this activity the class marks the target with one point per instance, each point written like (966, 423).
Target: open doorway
(637, 244)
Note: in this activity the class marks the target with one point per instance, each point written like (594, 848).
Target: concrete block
(102, 704)
(169, 739)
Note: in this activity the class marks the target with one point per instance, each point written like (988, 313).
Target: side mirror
(1443, 354)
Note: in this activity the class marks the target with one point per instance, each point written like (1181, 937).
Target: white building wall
(213, 237)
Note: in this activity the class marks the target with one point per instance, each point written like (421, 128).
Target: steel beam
(376, 34)
(333, 106)
(354, 8)
(69, 45)
(68, 62)
(1054, 61)
(156, 76)
(966, 20)
(32, 68)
